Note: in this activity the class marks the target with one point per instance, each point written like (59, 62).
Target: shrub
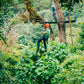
(58, 51)
(40, 71)
(23, 40)
(81, 40)
(73, 71)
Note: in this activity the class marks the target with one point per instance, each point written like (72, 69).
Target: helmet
(46, 25)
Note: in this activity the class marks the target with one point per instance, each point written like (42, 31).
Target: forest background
(19, 63)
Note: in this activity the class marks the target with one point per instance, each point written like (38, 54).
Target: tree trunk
(52, 37)
(61, 25)
(34, 17)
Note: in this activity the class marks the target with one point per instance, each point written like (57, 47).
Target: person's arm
(43, 32)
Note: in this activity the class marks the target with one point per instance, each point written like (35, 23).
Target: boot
(37, 51)
(45, 50)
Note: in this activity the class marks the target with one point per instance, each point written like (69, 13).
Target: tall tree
(61, 25)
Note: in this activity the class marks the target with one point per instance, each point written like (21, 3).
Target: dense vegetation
(19, 63)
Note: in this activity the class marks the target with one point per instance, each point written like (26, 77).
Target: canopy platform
(50, 18)
(54, 22)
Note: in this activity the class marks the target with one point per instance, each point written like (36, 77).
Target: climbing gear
(47, 25)
(44, 39)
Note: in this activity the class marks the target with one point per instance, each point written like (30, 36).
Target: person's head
(47, 25)
(52, 3)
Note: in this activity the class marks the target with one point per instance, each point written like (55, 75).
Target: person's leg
(45, 46)
(55, 17)
(44, 40)
(38, 44)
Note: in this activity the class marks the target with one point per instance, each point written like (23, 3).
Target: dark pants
(54, 16)
(44, 38)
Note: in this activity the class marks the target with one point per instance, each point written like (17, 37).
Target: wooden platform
(57, 22)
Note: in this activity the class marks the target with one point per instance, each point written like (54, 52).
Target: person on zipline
(45, 37)
(54, 11)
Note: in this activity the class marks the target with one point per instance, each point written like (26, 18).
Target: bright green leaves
(58, 65)
(81, 39)
(5, 2)
(58, 51)
(46, 68)
(69, 3)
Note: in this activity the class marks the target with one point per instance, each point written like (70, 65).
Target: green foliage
(69, 4)
(5, 2)
(2, 37)
(39, 68)
(43, 4)
(61, 64)
(58, 51)
(7, 11)
(73, 71)
(4, 73)
(81, 40)
(29, 31)
(40, 71)
(8, 62)
(58, 65)
(22, 40)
